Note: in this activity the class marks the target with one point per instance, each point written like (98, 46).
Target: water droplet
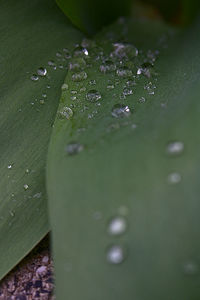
(93, 96)
(174, 178)
(190, 268)
(65, 113)
(9, 167)
(150, 87)
(74, 148)
(127, 91)
(77, 64)
(27, 171)
(175, 148)
(48, 86)
(92, 82)
(52, 64)
(110, 86)
(115, 254)
(107, 66)
(120, 111)
(12, 213)
(130, 83)
(124, 50)
(42, 71)
(142, 100)
(80, 52)
(64, 87)
(26, 187)
(117, 226)
(79, 76)
(82, 89)
(42, 101)
(67, 54)
(58, 54)
(124, 72)
(73, 98)
(34, 77)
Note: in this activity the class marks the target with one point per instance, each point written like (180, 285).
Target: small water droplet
(65, 113)
(191, 268)
(11, 212)
(52, 64)
(107, 66)
(175, 148)
(64, 87)
(34, 77)
(42, 71)
(42, 101)
(80, 52)
(127, 91)
(115, 254)
(174, 178)
(9, 167)
(110, 86)
(26, 187)
(80, 76)
(93, 96)
(58, 54)
(124, 72)
(92, 82)
(74, 148)
(117, 226)
(82, 89)
(27, 171)
(150, 87)
(48, 86)
(37, 195)
(120, 111)
(142, 100)
(124, 50)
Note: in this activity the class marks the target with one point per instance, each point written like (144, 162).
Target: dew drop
(26, 187)
(110, 86)
(150, 87)
(34, 77)
(115, 254)
(78, 64)
(120, 111)
(80, 52)
(80, 76)
(174, 178)
(92, 82)
(142, 100)
(124, 72)
(52, 64)
(190, 268)
(9, 167)
(124, 50)
(12, 213)
(65, 113)
(107, 66)
(130, 83)
(42, 71)
(117, 226)
(64, 87)
(74, 148)
(93, 96)
(175, 148)
(127, 91)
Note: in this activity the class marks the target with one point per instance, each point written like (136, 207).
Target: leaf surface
(31, 33)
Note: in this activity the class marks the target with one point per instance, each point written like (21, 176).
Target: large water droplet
(42, 71)
(65, 113)
(93, 96)
(74, 148)
(175, 148)
(80, 76)
(117, 226)
(120, 111)
(115, 254)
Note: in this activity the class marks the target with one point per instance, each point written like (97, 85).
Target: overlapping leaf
(130, 154)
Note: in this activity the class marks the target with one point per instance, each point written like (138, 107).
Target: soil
(32, 278)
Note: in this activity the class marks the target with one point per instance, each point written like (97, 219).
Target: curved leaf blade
(30, 35)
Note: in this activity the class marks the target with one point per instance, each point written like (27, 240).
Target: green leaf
(90, 15)
(31, 33)
(143, 168)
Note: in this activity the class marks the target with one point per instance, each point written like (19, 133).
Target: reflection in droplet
(117, 226)
(115, 254)
(74, 148)
(26, 187)
(34, 77)
(175, 148)
(120, 111)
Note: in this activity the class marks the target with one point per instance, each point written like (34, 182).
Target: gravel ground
(32, 278)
